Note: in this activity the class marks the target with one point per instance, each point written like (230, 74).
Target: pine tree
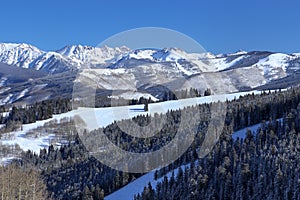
(146, 106)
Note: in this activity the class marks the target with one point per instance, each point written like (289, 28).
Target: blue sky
(219, 26)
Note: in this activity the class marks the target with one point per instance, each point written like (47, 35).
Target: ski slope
(241, 134)
(137, 186)
(106, 116)
(102, 117)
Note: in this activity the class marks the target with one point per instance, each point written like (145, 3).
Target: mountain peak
(92, 55)
(20, 55)
(9, 46)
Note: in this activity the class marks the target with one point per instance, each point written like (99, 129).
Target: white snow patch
(2, 81)
(137, 186)
(221, 63)
(276, 60)
(2, 90)
(183, 69)
(33, 144)
(242, 133)
(95, 73)
(275, 65)
(142, 54)
(40, 86)
(22, 94)
(6, 160)
(4, 114)
(135, 95)
(239, 52)
(6, 99)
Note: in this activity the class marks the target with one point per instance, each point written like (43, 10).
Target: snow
(40, 86)
(242, 132)
(2, 90)
(28, 56)
(135, 95)
(2, 81)
(183, 69)
(296, 54)
(109, 72)
(176, 55)
(106, 116)
(167, 55)
(239, 52)
(4, 114)
(6, 100)
(7, 46)
(137, 186)
(6, 160)
(275, 60)
(221, 63)
(127, 192)
(26, 143)
(33, 144)
(18, 54)
(22, 94)
(275, 65)
(93, 55)
(110, 79)
(142, 54)
(44, 59)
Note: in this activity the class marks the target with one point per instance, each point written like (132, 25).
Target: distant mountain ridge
(74, 57)
(141, 70)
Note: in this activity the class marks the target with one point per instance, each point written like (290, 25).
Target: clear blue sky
(219, 26)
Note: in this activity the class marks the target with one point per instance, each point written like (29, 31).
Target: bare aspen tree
(17, 183)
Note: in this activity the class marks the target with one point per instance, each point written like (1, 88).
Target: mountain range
(28, 74)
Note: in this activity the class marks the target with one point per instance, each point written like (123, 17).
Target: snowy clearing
(242, 133)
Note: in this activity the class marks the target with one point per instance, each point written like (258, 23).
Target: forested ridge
(263, 166)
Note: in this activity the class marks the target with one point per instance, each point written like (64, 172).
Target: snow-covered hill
(104, 117)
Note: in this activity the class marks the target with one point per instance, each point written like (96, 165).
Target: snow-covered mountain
(21, 55)
(92, 55)
(147, 70)
(271, 65)
(68, 58)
